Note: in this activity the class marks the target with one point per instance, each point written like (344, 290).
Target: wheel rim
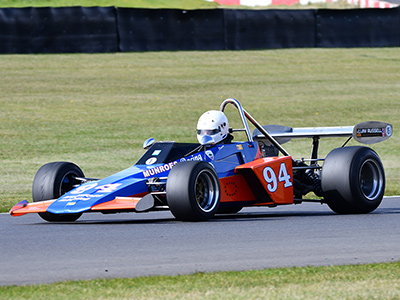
(68, 182)
(206, 191)
(371, 179)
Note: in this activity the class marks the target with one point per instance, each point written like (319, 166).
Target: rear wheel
(52, 181)
(193, 191)
(353, 180)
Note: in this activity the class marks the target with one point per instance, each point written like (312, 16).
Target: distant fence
(109, 29)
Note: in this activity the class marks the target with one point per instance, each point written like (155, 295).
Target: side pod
(271, 179)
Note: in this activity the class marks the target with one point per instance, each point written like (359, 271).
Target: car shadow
(241, 216)
(246, 215)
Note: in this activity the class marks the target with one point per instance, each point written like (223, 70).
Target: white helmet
(213, 123)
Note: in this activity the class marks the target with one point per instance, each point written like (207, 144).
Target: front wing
(118, 204)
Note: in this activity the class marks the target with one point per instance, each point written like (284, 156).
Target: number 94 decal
(272, 179)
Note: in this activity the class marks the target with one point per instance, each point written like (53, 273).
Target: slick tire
(53, 180)
(353, 180)
(193, 191)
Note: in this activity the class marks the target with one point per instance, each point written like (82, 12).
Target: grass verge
(372, 281)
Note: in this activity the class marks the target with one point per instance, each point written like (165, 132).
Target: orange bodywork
(275, 176)
(235, 188)
(24, 207)
(117, 204)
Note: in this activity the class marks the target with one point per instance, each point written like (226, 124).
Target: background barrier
(170, 29)
(358, 28)
(109, 29)
(58, 30)
(263, 29)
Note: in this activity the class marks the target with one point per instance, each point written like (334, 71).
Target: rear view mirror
(148, 143)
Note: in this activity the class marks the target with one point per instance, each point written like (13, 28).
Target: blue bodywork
(156, 162)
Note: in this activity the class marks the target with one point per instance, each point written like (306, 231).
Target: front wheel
(193, 191)
(52, 181)
(353, 180)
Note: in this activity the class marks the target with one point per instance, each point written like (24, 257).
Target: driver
(215, 124)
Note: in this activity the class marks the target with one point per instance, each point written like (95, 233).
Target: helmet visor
(202, 132)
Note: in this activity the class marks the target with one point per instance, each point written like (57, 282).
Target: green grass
(96, 110)
(375, 281)
(181, 4)
(177, 4)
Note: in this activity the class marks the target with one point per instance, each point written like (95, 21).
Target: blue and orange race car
(197, 181)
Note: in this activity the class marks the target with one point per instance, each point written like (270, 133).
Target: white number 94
(272, 180)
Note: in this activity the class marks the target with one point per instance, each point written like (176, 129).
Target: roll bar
(243, 115)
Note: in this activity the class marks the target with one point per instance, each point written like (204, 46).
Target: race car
(195, 181)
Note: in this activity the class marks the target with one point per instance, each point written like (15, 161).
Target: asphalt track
(130, 245)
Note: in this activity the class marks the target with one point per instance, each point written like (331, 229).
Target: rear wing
(366, 132)
(276, 135)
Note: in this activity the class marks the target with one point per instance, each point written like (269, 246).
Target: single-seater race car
(197, 181)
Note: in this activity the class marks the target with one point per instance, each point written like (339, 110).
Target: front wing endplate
(24, 207)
